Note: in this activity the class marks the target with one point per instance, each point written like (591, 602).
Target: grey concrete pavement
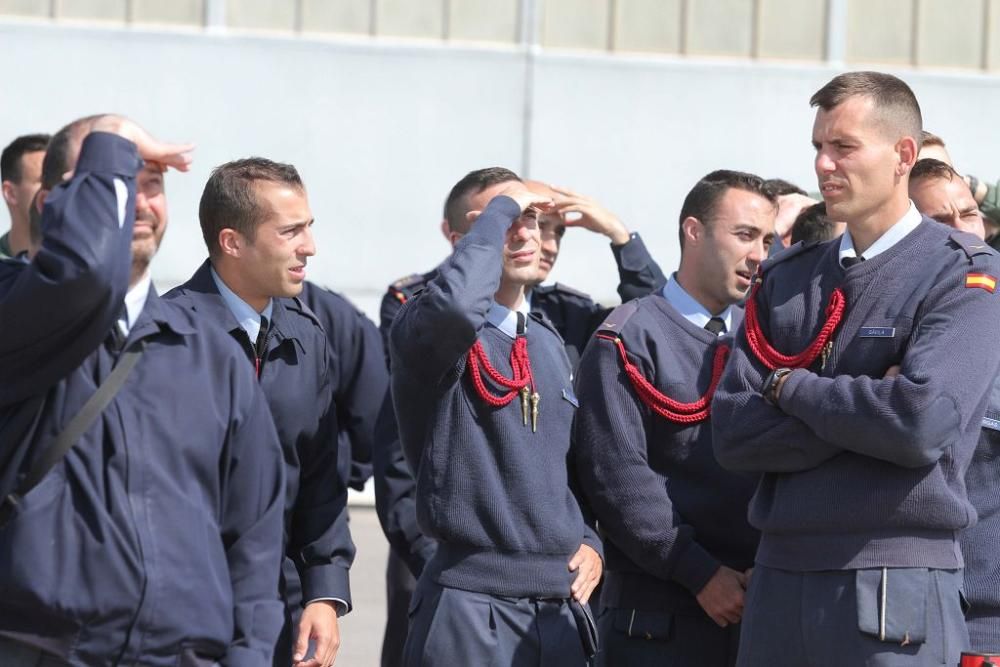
(361, 630)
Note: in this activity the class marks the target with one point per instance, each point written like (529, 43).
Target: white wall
(381, 130)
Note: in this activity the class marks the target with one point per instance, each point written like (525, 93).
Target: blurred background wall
(384, 104)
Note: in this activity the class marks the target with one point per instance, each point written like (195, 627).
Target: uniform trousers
(399, 585)
(451, 627)
(14, 654)
(876, 618)
(656, 638)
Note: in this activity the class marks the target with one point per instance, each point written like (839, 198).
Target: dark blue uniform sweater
(495, 495)
(861, 470)
(670, 515)
(159, 533)
(573, 314)
(981, 543)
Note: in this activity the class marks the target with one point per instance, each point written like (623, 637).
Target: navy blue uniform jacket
(358, 376)
(295, 377)
(159, 533)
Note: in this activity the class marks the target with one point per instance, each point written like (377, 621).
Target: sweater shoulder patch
(407, 287)
(971, 245)
(789, 252)
(569, 291)
(615, 322)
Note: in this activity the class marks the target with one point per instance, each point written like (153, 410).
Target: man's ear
(693, 230)
(446, 230)
(908, 153)
(39, 199)
(9, 194)
(231, 242)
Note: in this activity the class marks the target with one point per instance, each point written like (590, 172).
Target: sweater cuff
(106, 153)
(326, 582)
(492, 224)
(793, 381)
(592, 540)
(694, 568)
(632, 255)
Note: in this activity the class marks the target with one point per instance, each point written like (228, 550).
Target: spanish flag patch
(987, 282)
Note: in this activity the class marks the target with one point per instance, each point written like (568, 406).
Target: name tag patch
(993, 424)
(877, 332)
(569, 396)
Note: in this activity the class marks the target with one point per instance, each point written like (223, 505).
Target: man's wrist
(619, 236)
(771, 390)
(339, 606)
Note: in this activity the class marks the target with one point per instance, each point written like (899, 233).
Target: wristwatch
(771, 384)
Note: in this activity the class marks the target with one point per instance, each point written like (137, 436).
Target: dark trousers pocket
(892, 604)
(643, 624)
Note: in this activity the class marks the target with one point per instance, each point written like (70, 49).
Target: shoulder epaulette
(405, 288)
(295, 304)
(972, 245)
(565, 289)
(788, 253)
(615, 322)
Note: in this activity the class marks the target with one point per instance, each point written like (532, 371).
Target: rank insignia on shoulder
(983, 280)
(992, 424)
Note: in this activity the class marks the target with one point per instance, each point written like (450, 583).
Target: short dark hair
(780, 187)
(229, 201)
(929, 167)
(893, 100)
(10, 160)
(930, 139)
(64, 149)
(457, 203)
(703, 199)
(813, 225)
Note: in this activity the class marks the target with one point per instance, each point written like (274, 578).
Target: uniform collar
(505, 319)
(135, 300)
(690, 308)
(244, 313)
(910, 220)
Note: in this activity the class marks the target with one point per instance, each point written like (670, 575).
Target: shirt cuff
(326, 582)
(340, 605)
(103, 152)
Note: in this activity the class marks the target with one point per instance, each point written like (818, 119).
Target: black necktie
(261, 338)
(716, 325)
(260, 344)
(848, 262)
(520, 323)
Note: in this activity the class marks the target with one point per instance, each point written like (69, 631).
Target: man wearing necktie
(857, 388)
(256, 221)
(483, 396)
(677, 541)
